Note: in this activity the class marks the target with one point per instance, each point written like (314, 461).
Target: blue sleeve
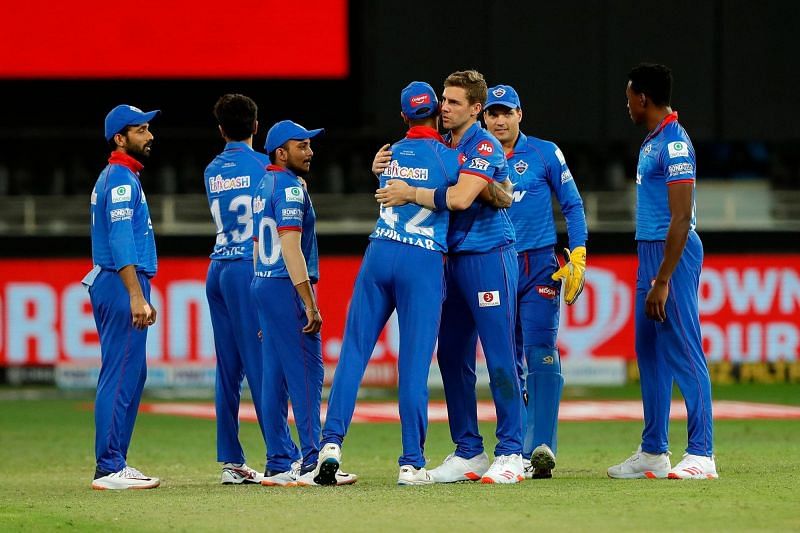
(563, 185)
(450, 165)
(486, 163)
(290, 204)
(677, 161)
(122, 196)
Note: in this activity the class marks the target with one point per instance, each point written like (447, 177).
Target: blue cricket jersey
(480, 228)
(122, 232)
(421, 159)
(537, 169)
(281, 203)
(230, 180)
(666, 157)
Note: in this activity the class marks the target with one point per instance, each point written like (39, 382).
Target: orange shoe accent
(487, 480)
(472, 476)
(650, 475)
(673, 476)
(98, 488)
(520, 478)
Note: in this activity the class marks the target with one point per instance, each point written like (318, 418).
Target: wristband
(440, 199)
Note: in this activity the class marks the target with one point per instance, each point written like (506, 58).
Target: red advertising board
(174, 39)
(749, 305)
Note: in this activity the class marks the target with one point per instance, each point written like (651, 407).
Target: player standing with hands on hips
(124, 257)
(668, 340)
(539, 170)
(286, 270)
(230, 181)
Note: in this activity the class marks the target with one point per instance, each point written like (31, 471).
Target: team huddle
(463, 249)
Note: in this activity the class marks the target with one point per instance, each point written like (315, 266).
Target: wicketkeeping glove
(572, 273)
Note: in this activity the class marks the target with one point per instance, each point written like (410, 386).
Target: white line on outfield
(570, 411)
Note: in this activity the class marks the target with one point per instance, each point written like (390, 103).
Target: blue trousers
(392, 276)
(235, 324)
(292, 361)
(471, 311)
(122, 370)
(673, 349)
(538, 361)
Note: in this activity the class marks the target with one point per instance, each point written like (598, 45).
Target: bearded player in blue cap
(482, 277)
(230, 181)
(124, 257)
(668, 338)
(403, 270)
(286, 270)
(539, 170)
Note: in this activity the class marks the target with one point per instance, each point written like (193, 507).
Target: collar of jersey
(423, 132)
(521, 146)
(277, 168)
(120, 158)
(237, 145)
(672, 117)
(468, 135)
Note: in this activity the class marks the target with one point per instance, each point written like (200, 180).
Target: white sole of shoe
(673, 475)
(650, 474)
(266, 483)
(490, 481)
(104, 485)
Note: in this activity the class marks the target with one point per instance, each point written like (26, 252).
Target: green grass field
(47, 462)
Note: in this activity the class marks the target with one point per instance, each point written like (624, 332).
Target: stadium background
(733, 86)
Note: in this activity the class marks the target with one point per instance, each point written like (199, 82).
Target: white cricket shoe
(414, 476)
(328, 462)
(694, 467)
(642, 465)
(543, 461)
(455, 468)
(505, 469)
(527, 468)
(236, 474)
(342, 478)
(127, 478)
(282, 479)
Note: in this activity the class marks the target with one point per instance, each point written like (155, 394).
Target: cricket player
(124, 257)
(668, 340)
(539, 170)
(482, 277)
(230, 181)
(403, 270)
(286, 270)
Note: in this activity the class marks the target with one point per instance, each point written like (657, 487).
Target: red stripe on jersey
(120, 158)
(290, 228)
(472, 173)
(672, 117)
(690, 180)
(424, 132)
(275, 168)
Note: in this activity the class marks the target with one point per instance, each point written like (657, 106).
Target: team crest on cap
(418, 100)
(521, 166)
(499, 92)
(132, 108)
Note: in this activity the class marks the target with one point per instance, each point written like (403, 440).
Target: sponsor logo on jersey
(499, 92)
(478, 163)
(547, 292)
(548, 360)
(229, 164)
(293, 194)
(462, 159)
(647, 149)
(521, 166)
(518, 195)
(678, 149)
(680, 169)
(394, 170)
(419, 100)
(292, 212)
(121, 193)
(566, 176)
(220, 184)
(118, 215)
(560, 156)
(485, 148)
(258, 204)
(488, 298)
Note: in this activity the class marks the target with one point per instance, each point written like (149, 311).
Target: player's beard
(139, 153)
(299, 170)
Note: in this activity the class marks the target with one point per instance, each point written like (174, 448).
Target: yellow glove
(572, 273)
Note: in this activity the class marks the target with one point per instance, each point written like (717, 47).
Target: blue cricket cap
(286, 130)
(503, 95)
(126, 115)
(418, 100)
